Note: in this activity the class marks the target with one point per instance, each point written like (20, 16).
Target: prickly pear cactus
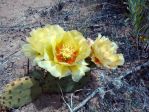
(26, 89)
(52, 84)
(20, 92)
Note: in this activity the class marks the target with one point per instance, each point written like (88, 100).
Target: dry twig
(135, 69)
(85, 101)
(64, 98)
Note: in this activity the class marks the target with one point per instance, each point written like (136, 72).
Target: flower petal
(104, 53)
(55, 30)
(82, 45)
(56, 70)
(40, 39)
(78, 71)
(28, 51)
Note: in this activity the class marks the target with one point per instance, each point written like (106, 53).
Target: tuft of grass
(137, 14)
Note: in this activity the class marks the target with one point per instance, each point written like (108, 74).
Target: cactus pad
(51, 84)
(26, 89)
(20, 92)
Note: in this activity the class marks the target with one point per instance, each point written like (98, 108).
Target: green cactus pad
(24, 90)
(20, 92)
(22, 83)
(51, 84)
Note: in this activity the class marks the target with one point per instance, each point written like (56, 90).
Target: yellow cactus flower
(39, 40)
(69, 52)
(61, 52)
(104, 53)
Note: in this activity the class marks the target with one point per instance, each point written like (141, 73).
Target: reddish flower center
(97, 61)
(66, 53)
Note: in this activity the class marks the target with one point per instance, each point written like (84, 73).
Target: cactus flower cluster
(63, 53)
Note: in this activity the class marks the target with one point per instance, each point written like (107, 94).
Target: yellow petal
(57, 33)
(83, 46)
(70, 48)
(28, 51)
(55, 69)
(40, 39)
(55, 30)
(66, 47)
(78, 71)
(118, 59)
(104, 53)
